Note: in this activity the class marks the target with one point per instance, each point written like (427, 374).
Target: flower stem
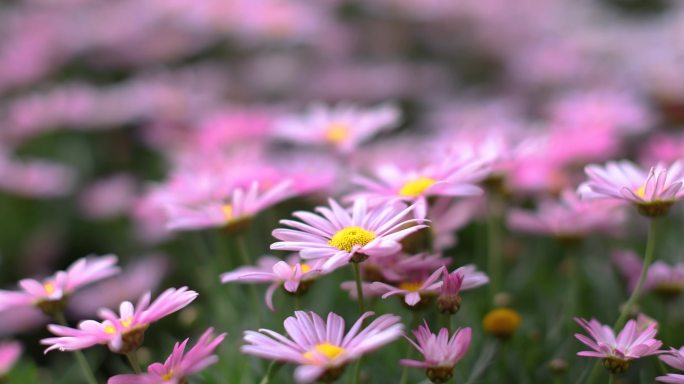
(133, 361)
(359, 287)
(270, 371)
(648, 259)
(611, 379)
(494, 244)
(244, 254)
(80, 358)
(405, 371)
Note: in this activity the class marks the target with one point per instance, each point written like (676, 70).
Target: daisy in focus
(343, 127)
(617, 353)
(440, 353)
(180, 364)
(653, 192)
(339, 236)
(320, 347)
(51, 294)
(122, 333)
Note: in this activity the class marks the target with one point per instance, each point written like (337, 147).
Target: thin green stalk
(80, 358)
(611, 378)
(244, 254)
(648, 259)
(272, 370)
(409, 351)
(359, 287)
(494, 244)
(297, 302)
(133, 361)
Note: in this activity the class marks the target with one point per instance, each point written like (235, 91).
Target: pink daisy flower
(343, 127)
(653, 193)
(122, 333)
(230, 213)
(440, 352)
(340, 236)
(320, 347)
(618, 352)
(295, 277)
(10, 352)
(446, 178)
(180, 364)
(569, 218)
(675, 359)
(51, 294)
(661, 278)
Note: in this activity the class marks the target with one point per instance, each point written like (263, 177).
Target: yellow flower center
(168, 376)
(49, 287)
(126, 323)
(326, 349)
(415, 188)
(641, 191)
(411, 286)
(109, 329)
(304, 267)
(337, 133)
(227, 211)
(346, 238)
(501, 322)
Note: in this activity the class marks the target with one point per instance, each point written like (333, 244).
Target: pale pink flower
(35, 178)
(321, 347)
(338, 235)
(675, 359)
(653, 192)
(569, 218)
(179, 365)
(618, 352)
(440, 353)
(124, 332)
(108, 197)
(447, 216)
(344, 127)
(51, 293)
(450, 178)
(10, 352)
(294, 276)
(662, 278)
(241, 206)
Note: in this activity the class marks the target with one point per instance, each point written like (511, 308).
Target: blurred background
(104, 105)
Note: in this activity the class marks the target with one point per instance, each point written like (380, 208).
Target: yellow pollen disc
(641, 191)
(328, 350)
(126, 323)
(304, 267)
(167, 376)
(227, 211)
(415, 188)
(49, 287)
(110, 330)
(501, 321)
(337, 132)
(411, 286)
(346, 238)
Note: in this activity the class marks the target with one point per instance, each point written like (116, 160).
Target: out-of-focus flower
(10, 352)
(108, 197)
(122, 333)
(320, 348)
(440, 352)
(35, 178)
(51, 294)
(295, 277)
(663, 148)
(661, 278)
(179, 365)
(569, 218)
(340, 236)
(232, 214)
(343, 127)
(653, 193)
(20, 320)
(449, 299)
(138, 277)
(501, 322)
(618, 352)
(447, 216)
(675, 359)
(446, 178)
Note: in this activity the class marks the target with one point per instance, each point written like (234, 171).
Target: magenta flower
(343, 127)
(51, 294)
(239, 208)
(440, 352)
(653, 193)
(295, 277)
(122, 333)
(320, 348)
(661, 278)
(569, 218)
(179, 365)
(447, 178)
(340, 236)
(10, 352)
(675, 359)
(618, 352)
